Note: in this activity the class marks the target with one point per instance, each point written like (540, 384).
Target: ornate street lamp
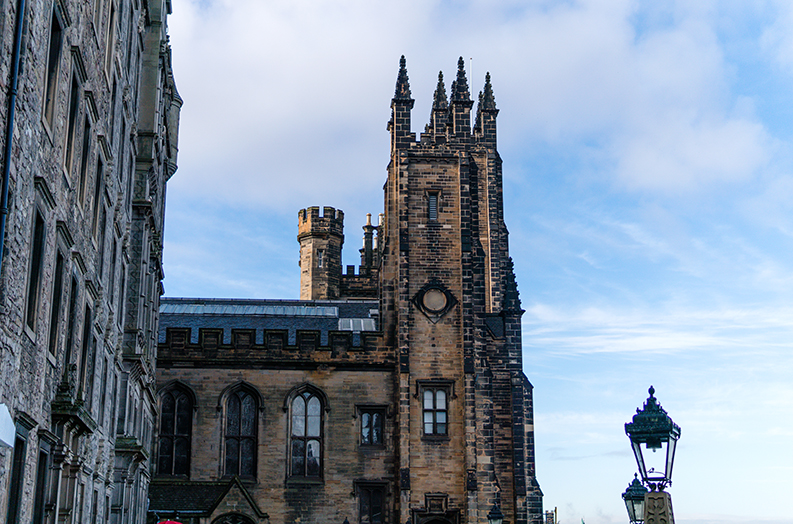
(634, 500)
(654, 429)
(495, 516)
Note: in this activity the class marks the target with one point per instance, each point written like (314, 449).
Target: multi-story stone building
(89, 116)
(394, 394)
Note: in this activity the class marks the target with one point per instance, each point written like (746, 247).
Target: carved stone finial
(402, 86)
(460, 91)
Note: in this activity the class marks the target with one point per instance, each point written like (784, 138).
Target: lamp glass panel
(670, 457)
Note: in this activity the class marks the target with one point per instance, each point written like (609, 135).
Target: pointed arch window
(176, 425)
(240, 434)
(306, 435)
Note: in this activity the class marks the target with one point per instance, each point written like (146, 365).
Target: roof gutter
(9, 135)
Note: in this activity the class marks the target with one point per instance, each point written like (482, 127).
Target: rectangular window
(95, 507)
(435, 410)
(55, 314)
(74, 107)
(53, 60)
(96, 349)
(121, 292)
(42, 482)
(112, 277)
(320, 257)
(432, 206)
(113, 96)
(130, 35)
(36, 262)
(101, 241)
(84, 160)
(370, 504)
(70, 325)
(103, 391)
(110, 42)
(86, 348)
(17, 475)
(372, 426)
(99, 176)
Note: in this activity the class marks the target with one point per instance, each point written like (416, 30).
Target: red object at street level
(169, 522)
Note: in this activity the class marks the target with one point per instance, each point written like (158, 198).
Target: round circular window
(434, 300)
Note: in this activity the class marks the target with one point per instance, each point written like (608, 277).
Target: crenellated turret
(321, 239)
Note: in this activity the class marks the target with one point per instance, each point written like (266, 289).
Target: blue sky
(648, 182)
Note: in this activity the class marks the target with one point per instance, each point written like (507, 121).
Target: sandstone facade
(394, 394)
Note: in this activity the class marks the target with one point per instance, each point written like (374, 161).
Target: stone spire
(440, 108)
(402, 84)
(489, 100)
(460, 91)
(486, 113)
(439, 102)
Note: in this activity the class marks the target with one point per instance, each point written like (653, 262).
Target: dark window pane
(365, 506)
(166, 420)
(165, 456)
(247, 459)
(232, 457)
(248, 424)
(181, 456)
(377, 507)
(441, 429)
(298, 457)
(233, 416)
(183, 415)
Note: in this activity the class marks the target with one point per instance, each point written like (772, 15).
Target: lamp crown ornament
(652, 425)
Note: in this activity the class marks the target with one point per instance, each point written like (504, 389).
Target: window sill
(304, 481)
(435, 438)
(371, 447)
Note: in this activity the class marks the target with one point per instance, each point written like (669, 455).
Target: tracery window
(240, 434)
(306, 435)
(176, 421)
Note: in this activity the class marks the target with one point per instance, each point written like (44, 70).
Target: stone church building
(388, 394)
(89, 117)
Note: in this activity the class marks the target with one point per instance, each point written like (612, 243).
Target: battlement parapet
(331, 221)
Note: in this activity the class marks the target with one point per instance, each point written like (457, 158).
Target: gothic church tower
(450, 309)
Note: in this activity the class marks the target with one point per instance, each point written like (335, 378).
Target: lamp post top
(636, 490)
(652, 425)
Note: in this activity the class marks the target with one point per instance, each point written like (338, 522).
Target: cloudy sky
(648, 179)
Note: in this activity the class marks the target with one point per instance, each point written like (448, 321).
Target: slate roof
(289, 315)
(197, 498)
(189, 497)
